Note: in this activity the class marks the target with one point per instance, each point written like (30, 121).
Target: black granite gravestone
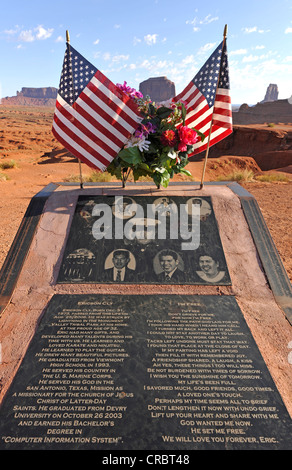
(108, 230)
(143, 372)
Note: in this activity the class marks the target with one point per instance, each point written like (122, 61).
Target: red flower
(168, 138)
(187, 136)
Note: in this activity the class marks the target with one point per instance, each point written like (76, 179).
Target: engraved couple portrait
(120, 266)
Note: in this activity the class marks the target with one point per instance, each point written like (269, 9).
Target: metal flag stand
(79, 161)
(210, 130)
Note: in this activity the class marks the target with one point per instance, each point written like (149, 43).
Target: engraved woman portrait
(208, 268)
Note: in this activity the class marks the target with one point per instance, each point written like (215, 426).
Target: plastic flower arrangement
(160, 146)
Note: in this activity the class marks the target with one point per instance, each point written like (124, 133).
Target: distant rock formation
(270, 148)
(272, 93)
(158, 88)
(48, 92)
(32, 97)
(261, 113)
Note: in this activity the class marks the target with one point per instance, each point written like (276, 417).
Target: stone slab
(143, 372)
(252, 263)
(89, 258)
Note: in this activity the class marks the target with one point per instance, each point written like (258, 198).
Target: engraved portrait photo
(144, 240)
(168, 266)
(119, 266)
(208, 267)
(205, 208)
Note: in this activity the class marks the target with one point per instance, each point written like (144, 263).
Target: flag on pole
(93, 118)
(205, 100)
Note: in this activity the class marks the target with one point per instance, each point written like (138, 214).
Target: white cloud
(119, 58)
(250, 30)
(250, 58)
(189, 59)
(10, 32)
(288, 30)
(207, 20)
(37, 34)
(238, 52)
(60, 39)
(96, 41)
(136, 41)
(150, 39)
(207, 47)
(249, 82)
(254, 29)
(26, 36)
(255, 58)
(42, 33)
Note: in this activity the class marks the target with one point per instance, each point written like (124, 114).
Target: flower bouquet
(160, 146)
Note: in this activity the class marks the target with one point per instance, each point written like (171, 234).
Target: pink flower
(182, 147)
(129, 91)
(168, 138)
(187, 136)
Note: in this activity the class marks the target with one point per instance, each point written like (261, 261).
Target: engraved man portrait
(119, 266)
(170, 267)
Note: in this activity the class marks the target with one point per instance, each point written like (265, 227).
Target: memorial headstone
(110, 369)
(140, 372)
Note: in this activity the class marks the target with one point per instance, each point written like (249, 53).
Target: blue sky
(132, 41)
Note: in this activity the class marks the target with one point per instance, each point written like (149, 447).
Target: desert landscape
(31, 158)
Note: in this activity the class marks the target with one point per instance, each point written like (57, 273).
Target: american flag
(93, 118)
(203, 100)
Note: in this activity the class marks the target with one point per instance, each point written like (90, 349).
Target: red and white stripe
(199, 115)
(98, 124)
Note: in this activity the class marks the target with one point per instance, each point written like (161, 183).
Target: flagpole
(79, 161)
(210, 130)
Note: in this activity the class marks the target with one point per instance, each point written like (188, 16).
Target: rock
(158, 88)
(32, 97)
(48, 92)
(268, 112)
(272, 93)
(270, 148)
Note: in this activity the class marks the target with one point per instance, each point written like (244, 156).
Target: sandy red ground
(26, 137)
